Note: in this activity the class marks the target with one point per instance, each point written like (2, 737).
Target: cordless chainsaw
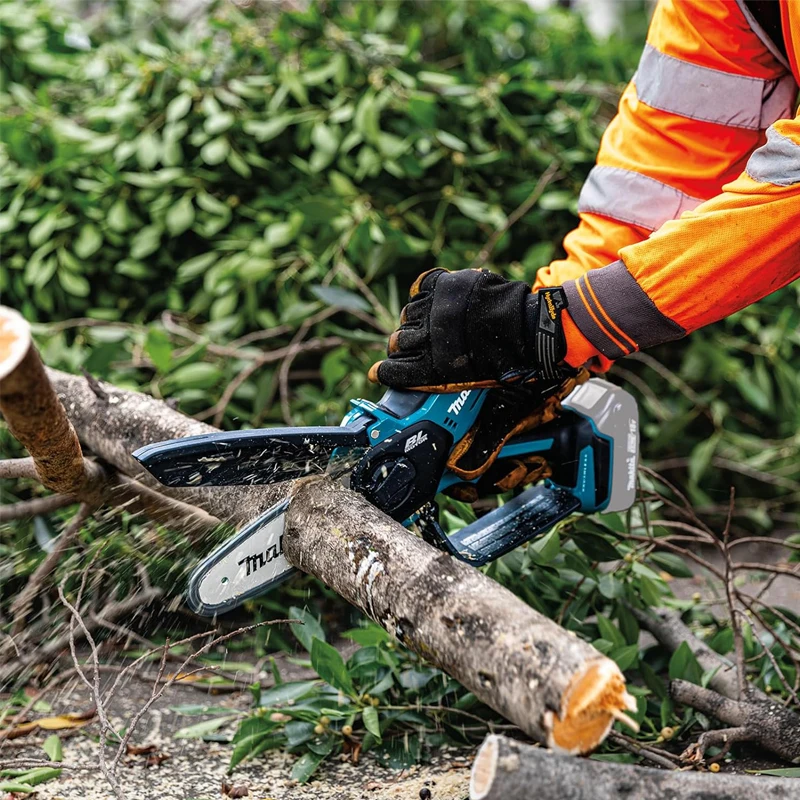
(395, 453)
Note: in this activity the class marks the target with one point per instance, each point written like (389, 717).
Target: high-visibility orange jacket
(693, 209)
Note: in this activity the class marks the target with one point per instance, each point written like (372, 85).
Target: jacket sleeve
(687, 216)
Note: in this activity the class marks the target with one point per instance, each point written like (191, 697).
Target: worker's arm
(650, 260)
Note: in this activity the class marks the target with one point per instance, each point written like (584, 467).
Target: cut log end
(594, 699)
(15, 340)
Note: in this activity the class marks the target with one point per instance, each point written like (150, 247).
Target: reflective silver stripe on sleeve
(611, 309)
(710, 95)
(631, 197)
(776, 162)
(766, 39)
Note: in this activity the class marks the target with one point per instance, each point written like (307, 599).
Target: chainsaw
(395, 453)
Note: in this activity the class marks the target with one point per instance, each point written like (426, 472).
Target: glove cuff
(546, 345)
(549, 342)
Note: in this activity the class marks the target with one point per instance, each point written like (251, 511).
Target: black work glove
(472, 329)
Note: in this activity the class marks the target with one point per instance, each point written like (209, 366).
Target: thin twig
(22, 603)
(544, 181)
(217, 411)
(656, 755)
(36, 507)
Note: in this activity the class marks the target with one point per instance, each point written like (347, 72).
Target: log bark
(556, 687)
(34, 414)
(756, 717)
(505, 769)
(768, 724)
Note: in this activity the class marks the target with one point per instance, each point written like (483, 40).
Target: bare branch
(33, 508)
(544, 181)
(11, 468)
(22, 604)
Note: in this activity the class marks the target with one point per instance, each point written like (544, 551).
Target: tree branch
(35, 416)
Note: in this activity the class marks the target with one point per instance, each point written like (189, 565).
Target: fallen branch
(755, 717)
(555, 686)
(35, 416)
(770, 725)
(32, 508)
(508, 770)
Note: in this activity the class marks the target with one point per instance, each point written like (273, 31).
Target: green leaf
(672, 563)
(329, 665)
(625, 656)
(683, 665)
(305, 766)
(368, 636)
(73, 284)
(265, 130)
(279, 234)
(199, 375)
(218, 123)
(195, 267)
(159, 348)
(340, 298)
(309, 630)
(180, 216)
(280, 695)
(371, 722)
(254, 736)
(546, 548)
(178, 107)
(118, 218)
(88, 242)
(215, 151)
(451, 142)
(43, 229)
(608, 630)
(52, 746)
(201, 729)
(480, 211)
(15, 786)
(701, 458)
(146, 242)
(785, 772)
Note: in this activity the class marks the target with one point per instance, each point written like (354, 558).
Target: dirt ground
(196, 770)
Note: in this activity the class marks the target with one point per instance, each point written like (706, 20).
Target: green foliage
(382, 699)
(249, 174)
(179, 205)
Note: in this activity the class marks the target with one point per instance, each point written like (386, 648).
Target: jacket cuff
(580, 351)
(614, 315)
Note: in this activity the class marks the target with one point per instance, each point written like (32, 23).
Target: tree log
(556, 687)
(34, 414)
(508, 770)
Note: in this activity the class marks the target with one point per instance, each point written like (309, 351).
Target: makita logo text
(413, 441)
(631, 465)
(259, 560)
(458, 403)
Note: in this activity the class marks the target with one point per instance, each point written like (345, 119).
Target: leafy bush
(230, 213)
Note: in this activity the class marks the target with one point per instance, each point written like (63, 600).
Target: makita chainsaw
(395, 453)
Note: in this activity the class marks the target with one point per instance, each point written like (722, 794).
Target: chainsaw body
(395, 453)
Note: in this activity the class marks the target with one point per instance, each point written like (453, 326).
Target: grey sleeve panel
(776, 162)
(615, 314)
(587, 325)
(710, 95)
(766, 39)
(631, 197)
